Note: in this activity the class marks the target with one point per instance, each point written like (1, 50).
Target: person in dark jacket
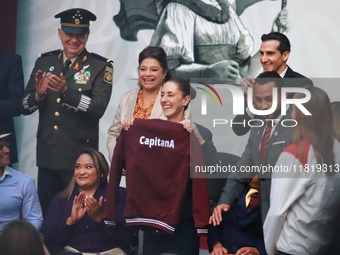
(274, 53)
(241, 228)
(74, 219)
(11, 91)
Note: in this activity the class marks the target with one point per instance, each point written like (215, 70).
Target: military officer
(71, 88)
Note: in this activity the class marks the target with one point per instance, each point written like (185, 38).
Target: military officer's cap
(76, 20)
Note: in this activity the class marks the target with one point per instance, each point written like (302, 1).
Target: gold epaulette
(101, 57)
(50, 53)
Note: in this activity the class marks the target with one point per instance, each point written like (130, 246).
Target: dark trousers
(184, 241)
(50, 182)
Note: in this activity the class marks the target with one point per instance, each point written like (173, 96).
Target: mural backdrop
(123, 28)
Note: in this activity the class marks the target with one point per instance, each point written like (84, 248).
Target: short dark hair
(185, 87)
(270, 76)
(157, 53)
(284, 41)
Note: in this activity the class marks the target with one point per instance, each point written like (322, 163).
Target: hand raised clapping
(81, 205)
(78, 209)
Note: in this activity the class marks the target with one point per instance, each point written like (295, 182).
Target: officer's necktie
(66, 66)
(264, 142)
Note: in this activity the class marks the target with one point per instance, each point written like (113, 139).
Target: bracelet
(201, 143)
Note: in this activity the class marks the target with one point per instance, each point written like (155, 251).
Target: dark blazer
(280, 138)
(11, 90)
(208, 148)
(301, 80)
(69, 121)
(298, 81)
(239, 228)
(85, 235)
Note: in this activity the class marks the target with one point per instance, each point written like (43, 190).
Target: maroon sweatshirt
(157, 156)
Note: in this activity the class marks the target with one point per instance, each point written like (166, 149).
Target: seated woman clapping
(74, 219)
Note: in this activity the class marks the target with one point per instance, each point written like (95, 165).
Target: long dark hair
(100, 164)
(336, 112)
(20, 237)
(318, 129)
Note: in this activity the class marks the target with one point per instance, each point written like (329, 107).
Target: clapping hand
(78, 209)
(41, 85)
(57, 83)
(94, 208)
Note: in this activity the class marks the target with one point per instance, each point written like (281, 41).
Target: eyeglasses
(3, 145)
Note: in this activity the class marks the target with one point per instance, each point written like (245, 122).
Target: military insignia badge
(108, 75)
(83, 76)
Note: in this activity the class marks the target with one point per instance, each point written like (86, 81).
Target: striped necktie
(264, 142)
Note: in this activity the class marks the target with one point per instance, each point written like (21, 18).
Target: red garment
(264, 141)
(254, 200)
(157, 156)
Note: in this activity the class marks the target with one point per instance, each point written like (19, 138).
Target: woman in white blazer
(144, 101)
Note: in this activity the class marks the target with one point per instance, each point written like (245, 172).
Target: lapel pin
(76, 66)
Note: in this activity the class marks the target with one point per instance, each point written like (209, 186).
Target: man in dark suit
(11, 91)
(251, 162)
(241, 229)
(274, 54)
(71, 88)
(208, 147)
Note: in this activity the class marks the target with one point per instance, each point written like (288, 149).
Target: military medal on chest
(83, 76)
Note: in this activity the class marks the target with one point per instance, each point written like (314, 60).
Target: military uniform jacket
(69, 121)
